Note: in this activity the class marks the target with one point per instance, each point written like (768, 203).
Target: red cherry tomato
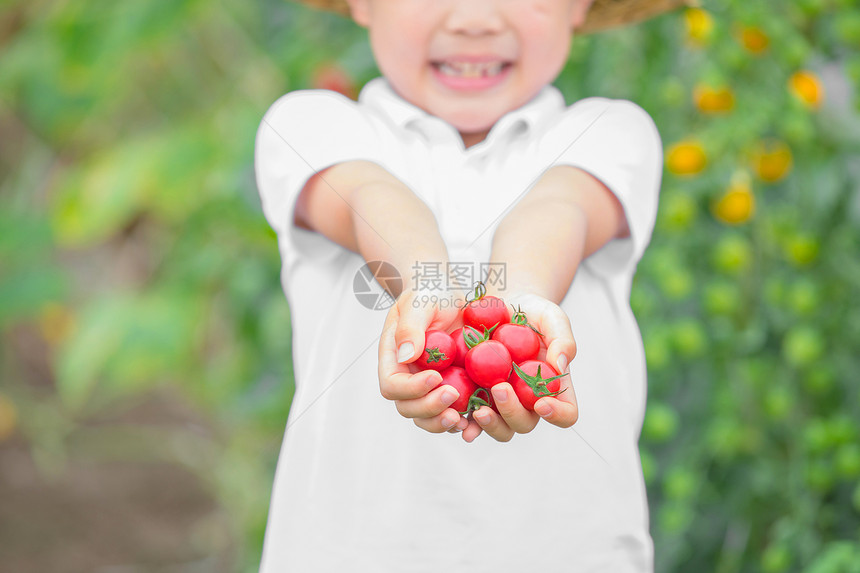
(460, 345)
(439, 351)
(486, 312)
(534, 386)
(333, 77)
(521, 341)
(471, 396)
(488, 363)
(457, 378)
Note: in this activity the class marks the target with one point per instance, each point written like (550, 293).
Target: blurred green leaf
(127, 343)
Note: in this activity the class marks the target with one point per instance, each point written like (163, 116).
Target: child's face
(530, 39)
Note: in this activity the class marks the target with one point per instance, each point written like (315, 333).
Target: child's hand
(402, 342)
(560, 410)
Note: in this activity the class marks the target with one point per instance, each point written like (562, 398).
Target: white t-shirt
(360, 488)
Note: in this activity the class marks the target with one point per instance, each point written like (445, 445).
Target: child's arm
(564, 218)
(567, 216)
(362, 207)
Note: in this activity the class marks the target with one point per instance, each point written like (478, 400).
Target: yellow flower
(700, 26)
(710, 100)
(753, 39)
(772, 160)
(737, 205)
(686, 158)
(807, 88)
(8, 417)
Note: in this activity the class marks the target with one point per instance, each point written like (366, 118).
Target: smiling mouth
(471, 69)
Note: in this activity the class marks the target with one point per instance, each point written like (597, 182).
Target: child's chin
(471, 127)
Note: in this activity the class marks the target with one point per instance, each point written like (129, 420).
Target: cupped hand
(414, 391)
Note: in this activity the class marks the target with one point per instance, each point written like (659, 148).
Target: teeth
(470, 69)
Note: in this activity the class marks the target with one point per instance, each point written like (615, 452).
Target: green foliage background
(132, 243)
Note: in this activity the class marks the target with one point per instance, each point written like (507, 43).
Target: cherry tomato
(534, 385)
(486, 312)
(460, 343)
(457, 378)
(471, 396)
(439, 351)
(521, 341)
(488, 363)
(335, 78)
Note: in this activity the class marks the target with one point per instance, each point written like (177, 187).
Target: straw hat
(603, 14)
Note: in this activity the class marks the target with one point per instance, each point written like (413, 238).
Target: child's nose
(474, 17)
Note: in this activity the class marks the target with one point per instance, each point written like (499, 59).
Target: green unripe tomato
(815, 437)
(680, 483)
(676, 283)
(803, 297)
(657, 351)
(675, 517)
(801, 250)
(661, 422)
(778, 403)
(841, 430)
(802, 346)
(819, 381)
(775, 559)
(679, 212)
(847, 461)
(689, 337)
(847, 27)
(733, 254)
(721, 298)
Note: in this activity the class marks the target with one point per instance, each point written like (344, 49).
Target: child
(462, 154)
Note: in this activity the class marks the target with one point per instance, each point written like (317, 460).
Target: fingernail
(500, 395)
(462, 424)
(543, 409)
(449, 396)
(407, 349)
(448, 421)
(562, 363)
(482, 418)
(434, 379)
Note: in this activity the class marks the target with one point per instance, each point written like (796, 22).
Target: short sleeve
(302, 133)
(617, 142)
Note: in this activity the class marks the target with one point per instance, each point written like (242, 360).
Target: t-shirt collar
(379, 94)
